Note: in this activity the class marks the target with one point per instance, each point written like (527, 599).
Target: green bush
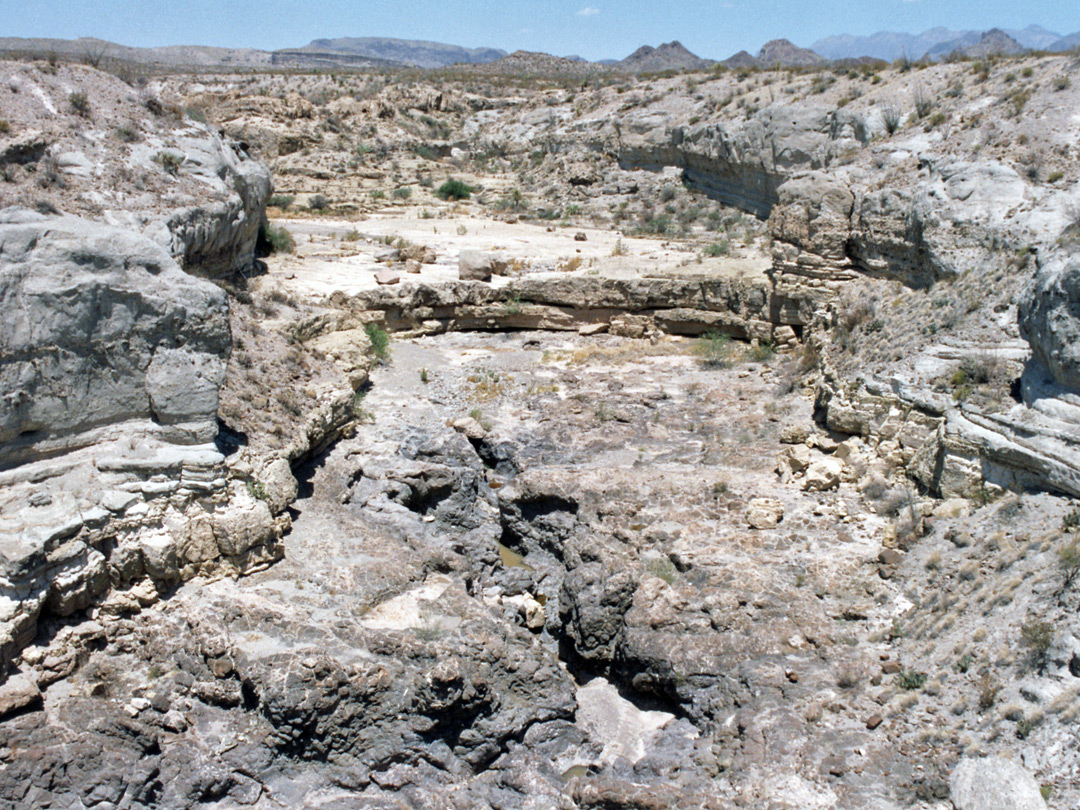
(282, 201)
(279, 239)
(402, 193)
(910, 679)
(318, 202)
(453, 190)
(5, 126)
(380, 341)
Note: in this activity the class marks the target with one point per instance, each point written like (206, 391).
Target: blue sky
(595, 29)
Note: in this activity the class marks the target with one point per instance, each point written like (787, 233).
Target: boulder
(793, 459)
(994, 783)
(387, 277)
(475, 265)
(822, 475)
(764, 513)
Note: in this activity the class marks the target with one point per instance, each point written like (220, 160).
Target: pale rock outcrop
(994, 783)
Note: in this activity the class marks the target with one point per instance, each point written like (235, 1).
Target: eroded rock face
(102, 332)
(1050, 320)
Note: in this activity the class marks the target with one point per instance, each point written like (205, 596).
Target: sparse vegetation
(80, 103)
(714, 350)
(910, 680)
(318, 202)
(890, 116)
(170, 162)
(1037, 636)
(379, 339)
(761, 352)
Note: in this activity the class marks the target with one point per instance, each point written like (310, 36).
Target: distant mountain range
(389, 53)
(669, 56)
(412, 52)
(94, 49)
(935, 42)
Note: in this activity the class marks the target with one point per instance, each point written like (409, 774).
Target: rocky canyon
(534, 435)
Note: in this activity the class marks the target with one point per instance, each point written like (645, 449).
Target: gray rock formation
(83, 302)
(1050, 320)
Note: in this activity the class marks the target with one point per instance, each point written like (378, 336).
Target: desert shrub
(1062, 83)
(980, 368)
(988, 691)
(318, 202)
(278, 238)
(282, 201)
(1018, 99)
(761, 352)
(402, 193)
(79, 103)
(923, 103)
(1071, 521)
(855, 312)
(714, 350)
(380, 341)
(5, 126)
(721, 248)
(170, 162)
(1037, 636)
(378, 194)
(658, 225)
(890, 114)
(453, 190)
(513, 200)
(94, 54)
(910, 680)
(1055, 176)
(195, 114)
(127, 133)
(351, 236)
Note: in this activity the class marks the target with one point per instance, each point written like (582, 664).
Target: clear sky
(595, 29)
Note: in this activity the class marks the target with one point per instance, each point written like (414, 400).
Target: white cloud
(588, 11)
